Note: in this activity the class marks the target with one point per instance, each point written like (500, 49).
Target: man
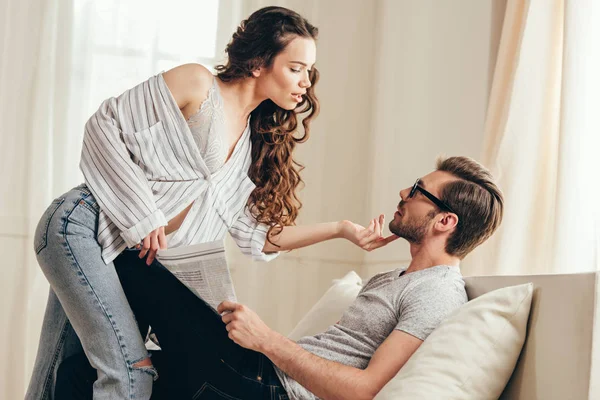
(235, 355)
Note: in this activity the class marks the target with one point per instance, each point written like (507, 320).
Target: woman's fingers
(162, 239)
(153, 247)
(382, 242)
(362, 234)
(145, 247)
(155, 241)
(371, 238)
(377, 232)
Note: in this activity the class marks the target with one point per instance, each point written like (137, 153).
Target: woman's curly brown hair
(255, 44)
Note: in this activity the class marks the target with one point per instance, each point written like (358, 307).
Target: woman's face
(286, 80)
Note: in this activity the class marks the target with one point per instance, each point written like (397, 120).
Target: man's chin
(403, 234)
(396, 229)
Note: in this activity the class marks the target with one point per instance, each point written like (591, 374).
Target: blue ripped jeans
(87, 309)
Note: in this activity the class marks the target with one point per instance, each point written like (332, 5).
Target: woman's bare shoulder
(189, 84)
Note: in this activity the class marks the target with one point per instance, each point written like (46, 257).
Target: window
(120, 43)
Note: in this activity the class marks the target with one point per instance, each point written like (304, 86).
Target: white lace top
(207, 127)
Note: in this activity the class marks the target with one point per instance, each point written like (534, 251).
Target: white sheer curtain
(35, 138)
(59, 60)
(542, 136)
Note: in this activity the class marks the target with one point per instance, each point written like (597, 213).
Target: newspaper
(203, 269)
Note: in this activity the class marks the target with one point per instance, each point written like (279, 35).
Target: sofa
(560, 356)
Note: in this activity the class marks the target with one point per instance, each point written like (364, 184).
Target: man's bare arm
(328, 380)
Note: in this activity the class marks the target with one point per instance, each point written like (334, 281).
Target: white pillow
(330, 307)
(470, 355)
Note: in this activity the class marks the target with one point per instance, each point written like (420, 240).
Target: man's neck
(424, 257)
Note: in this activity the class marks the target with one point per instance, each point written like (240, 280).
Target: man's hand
(155, 241)
(369, 238)
(244, 326)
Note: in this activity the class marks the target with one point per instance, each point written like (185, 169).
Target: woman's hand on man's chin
(369, 238)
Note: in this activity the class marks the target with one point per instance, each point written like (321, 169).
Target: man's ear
(256, 72)
(447, 222)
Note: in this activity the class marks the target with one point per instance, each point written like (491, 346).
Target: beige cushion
(330, 307)
(472, 354)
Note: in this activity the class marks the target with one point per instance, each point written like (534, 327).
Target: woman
(180, 159)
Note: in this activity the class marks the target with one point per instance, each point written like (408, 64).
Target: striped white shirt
(141, 163)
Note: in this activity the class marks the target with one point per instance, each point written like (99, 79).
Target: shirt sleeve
(250, 236)
(118, 184)
(427, 304)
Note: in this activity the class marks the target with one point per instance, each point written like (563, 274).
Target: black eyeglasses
(431, 197)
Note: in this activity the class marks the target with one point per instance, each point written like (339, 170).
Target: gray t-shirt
(415, 303)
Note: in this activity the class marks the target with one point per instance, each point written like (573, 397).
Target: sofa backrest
(561, 355)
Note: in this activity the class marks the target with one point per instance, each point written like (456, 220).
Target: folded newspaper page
(203, 269)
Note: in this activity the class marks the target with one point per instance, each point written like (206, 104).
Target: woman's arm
(294, 237)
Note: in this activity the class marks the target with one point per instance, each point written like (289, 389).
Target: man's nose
(404, 193)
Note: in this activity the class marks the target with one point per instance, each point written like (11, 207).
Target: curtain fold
(540, 133)
(35, 79)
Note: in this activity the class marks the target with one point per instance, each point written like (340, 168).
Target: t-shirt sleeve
(427, 304)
